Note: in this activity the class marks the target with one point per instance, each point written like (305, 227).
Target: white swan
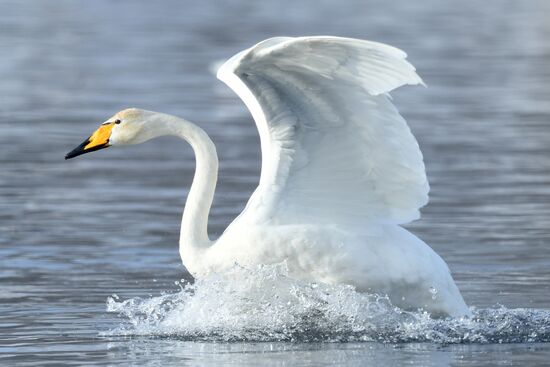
(340, 172)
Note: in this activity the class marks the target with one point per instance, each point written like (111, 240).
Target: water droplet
(433, 291)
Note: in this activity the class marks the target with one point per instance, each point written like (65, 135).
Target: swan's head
(125, 127)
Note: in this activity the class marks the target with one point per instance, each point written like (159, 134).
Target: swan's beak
(98, 140)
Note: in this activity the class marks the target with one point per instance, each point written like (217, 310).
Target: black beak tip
(81, 149)
(77, 151)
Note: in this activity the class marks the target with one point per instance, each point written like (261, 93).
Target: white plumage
(340, 171)
(334, 148)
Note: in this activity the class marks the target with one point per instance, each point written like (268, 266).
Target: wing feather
(334, 148)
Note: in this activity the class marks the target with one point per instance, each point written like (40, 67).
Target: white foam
(265, 304)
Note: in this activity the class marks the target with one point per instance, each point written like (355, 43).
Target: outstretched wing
(334, 148)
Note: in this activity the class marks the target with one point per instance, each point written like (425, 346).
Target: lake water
(89, 267)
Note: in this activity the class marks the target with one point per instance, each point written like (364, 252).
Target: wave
(264, 304)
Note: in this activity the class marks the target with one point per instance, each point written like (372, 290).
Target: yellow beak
(98, 140)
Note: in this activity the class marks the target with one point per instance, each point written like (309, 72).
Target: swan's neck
(194, 224)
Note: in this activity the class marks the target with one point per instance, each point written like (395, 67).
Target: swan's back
(334, 148)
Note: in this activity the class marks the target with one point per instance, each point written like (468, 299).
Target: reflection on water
(73, 233)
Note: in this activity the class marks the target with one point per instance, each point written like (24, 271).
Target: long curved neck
(194, 223)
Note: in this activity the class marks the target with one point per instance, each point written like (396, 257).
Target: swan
(341, 172)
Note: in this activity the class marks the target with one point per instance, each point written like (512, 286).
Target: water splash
(265, 304)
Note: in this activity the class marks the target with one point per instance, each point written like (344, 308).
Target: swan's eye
(117, 122)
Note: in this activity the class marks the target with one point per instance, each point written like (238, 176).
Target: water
(74, 233)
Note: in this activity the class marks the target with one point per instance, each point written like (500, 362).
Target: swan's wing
(334, 148)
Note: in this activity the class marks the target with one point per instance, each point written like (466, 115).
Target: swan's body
(340, 172)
